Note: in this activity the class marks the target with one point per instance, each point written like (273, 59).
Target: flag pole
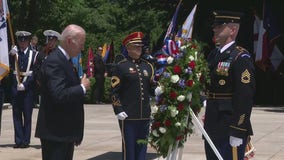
(10, 29)
(13, 44)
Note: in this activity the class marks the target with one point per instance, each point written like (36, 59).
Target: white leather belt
(29, 73)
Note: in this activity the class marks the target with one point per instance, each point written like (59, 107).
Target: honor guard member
(22, 92)
(52, 40)
(230, 93)
(132, 84)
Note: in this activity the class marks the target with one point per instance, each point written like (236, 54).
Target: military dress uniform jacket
(230, 93)
(61, 113)
(25, 74)
(132, 84)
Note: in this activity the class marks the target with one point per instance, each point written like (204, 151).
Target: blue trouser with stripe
(131, 131)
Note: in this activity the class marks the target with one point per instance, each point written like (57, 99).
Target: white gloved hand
(20, 87)
(235, 141)
(204, 103)
(14, 50)
(121, 115)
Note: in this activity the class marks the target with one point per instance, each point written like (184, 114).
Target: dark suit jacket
(61, 114)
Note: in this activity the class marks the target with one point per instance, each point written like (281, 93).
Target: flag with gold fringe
(4, 58)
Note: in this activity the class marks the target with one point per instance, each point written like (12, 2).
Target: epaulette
(145, 60)
(241, 51)
(122, 61)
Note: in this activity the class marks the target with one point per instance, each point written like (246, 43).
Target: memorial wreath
(181, 82)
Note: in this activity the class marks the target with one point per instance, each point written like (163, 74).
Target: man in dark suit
(230, 93)
(60, 123)
(23, 90)
(99, 74)
(132, 84)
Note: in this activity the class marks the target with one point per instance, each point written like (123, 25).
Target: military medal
(223, 68)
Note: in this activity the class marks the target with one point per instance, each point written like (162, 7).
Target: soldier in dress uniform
(52, 40)
(230, 93)
(34, 44)
(132, 83)
(22, 92)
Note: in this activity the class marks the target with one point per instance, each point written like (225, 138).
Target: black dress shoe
(25, 146)
(17, 146)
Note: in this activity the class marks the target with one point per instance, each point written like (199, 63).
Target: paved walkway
(102, 137)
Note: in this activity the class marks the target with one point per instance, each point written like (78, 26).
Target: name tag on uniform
(132, 70)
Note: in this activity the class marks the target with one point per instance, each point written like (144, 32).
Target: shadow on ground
(276, 109)
(117, 155)
(11, 146)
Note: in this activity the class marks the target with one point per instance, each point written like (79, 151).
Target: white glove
(204, 103)
(14, 50)
(20, 87)
(121, 115)
(235, 141)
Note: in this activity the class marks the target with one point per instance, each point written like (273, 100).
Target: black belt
(211, 95)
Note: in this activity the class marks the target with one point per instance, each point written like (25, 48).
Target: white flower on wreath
(155, 133)
(181, 98)
(189, 96)
(170, 60)
(173, 111)
(198, 75)
(154, 109)
(191, 58)
(159, 90)
(177, 124)
(174, 78)
(195, 54)
(162, 130)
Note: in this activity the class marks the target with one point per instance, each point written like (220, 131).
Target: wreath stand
(176, 153)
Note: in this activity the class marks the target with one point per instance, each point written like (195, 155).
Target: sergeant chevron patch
(245, 77)
(114, 81)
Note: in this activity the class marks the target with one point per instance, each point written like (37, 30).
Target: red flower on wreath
(156, 125)
(201, 78)
(177, 69)
(191, 64)
(168, 123)
(180, 107)
(173, 95)
(189, 83)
